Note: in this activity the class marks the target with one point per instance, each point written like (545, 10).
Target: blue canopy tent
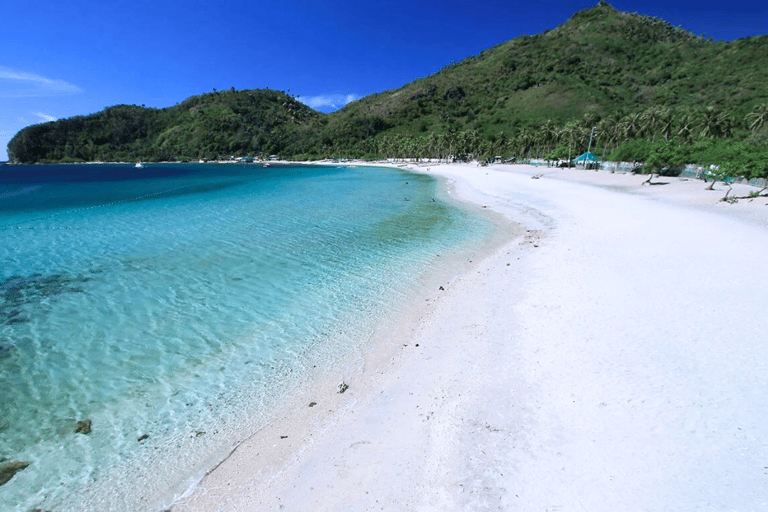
(587, 160)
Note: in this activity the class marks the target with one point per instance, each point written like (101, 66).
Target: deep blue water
(165, 301)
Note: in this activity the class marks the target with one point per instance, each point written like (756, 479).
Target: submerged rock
(83, 427)
(19, 291)
(5, 350)
(10, 468)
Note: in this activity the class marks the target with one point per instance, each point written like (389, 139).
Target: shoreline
(360, 367)
(518, 394)
(112, 486)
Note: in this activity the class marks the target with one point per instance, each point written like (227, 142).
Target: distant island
(630, 87)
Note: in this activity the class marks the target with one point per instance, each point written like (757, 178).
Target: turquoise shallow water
(175, 302)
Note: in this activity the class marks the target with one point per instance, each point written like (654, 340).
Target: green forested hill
(207, 126)
(631, 77)
(601, 64)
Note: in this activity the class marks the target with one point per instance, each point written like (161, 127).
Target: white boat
(139, 165)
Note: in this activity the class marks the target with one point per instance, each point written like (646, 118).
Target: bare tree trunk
(725, 197)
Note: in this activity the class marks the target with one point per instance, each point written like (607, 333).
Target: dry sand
(613, 357)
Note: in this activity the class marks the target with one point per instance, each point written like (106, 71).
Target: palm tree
(665, 120)
(468, 144)
(607, 132)
(448, 141)
(589, 119)
(758, 117)
(714, 122)
(685, 126)
(524, 142)
(548, 131)
(649, 122)
(631, 125)
(432, 146)
(726, 125)
(571, 133)
(583, 134)
(501, 144)
(449, 144)
(610, 130)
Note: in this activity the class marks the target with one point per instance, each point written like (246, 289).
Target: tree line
(664, 138)
(638, 88)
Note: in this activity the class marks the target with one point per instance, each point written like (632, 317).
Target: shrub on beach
(667, 157)
(633, 150)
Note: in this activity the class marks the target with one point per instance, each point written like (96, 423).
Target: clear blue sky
(60, 59)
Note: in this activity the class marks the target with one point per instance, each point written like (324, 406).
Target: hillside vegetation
(640, 83)
(208, 126)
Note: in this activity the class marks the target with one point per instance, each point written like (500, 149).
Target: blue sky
(60, 59)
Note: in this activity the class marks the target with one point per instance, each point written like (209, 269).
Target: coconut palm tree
(758, 117)
(685, 125)
(501, 143)
(609, 132)
(666, 119)
(631, 125)
(589, 119)
(570, 133)
(433, 145)
(714, 122)
(649, 122)
(524, 142)
(450, 139)
(548, 131)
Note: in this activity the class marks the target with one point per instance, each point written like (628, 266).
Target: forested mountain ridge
(206, 126)
(601, 63)
(629, 76)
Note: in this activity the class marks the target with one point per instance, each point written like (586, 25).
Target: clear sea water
(177, 301)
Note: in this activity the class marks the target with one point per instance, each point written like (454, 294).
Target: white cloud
(20, 84)
(328, 101)
(44, 117)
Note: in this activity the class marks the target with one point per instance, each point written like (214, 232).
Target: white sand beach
(612, 355)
